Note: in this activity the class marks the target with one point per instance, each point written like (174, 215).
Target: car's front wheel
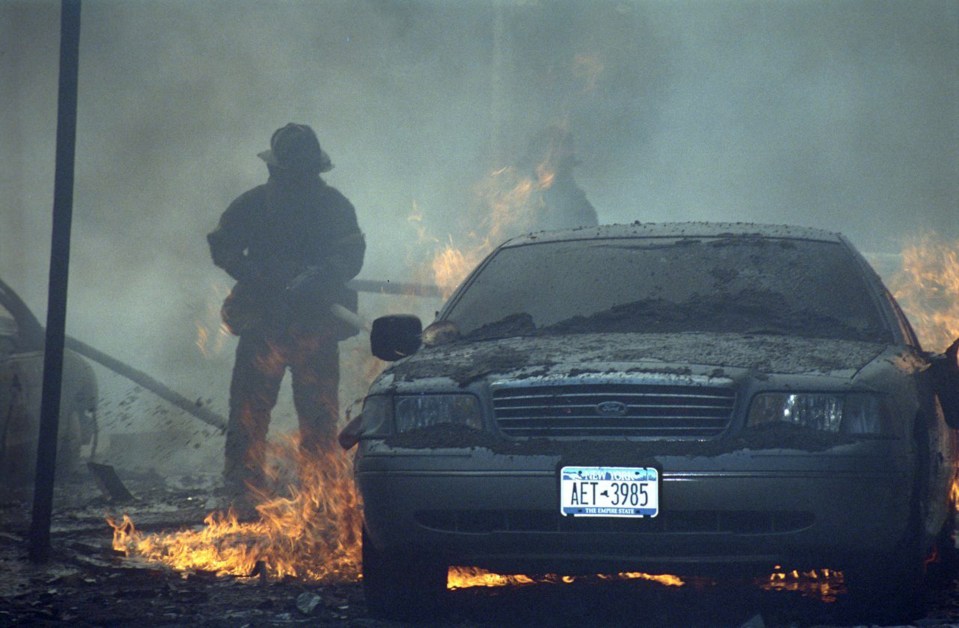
(887, 588)
(402, 585)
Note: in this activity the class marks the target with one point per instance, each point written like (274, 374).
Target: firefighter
(549, 160)
(291, 244)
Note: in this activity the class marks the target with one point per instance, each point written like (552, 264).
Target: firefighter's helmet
(295, 147)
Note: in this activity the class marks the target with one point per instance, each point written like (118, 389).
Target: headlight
(851, 413)
(375, 417)
(413, 412)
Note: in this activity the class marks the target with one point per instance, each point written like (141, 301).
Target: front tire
(402, 585)
(888, 589)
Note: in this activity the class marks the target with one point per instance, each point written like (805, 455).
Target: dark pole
(59, 270)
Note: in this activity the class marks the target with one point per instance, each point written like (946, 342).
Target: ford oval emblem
(611, 408)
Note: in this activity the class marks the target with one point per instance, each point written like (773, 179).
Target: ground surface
(87, 583)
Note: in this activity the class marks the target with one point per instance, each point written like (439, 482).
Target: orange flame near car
(824, 584)
(451, 265)
(505, 205)
(466, 577)
(927, 287)
(311, 532)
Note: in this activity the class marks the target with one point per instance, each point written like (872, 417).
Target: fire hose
(196, 408)
(139, 377)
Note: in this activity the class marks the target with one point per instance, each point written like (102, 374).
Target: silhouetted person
(549, 160)
(291, 244)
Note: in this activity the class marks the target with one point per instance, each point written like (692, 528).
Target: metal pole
(59, 270)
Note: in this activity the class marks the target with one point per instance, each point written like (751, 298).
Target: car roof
(681, 230)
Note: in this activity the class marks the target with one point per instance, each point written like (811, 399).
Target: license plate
(609, 491)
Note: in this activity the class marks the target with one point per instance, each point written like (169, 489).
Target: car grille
(644, 411)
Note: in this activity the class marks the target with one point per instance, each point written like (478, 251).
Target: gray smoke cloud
(840, 115)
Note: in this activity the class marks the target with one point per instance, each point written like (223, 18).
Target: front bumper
(743, 509)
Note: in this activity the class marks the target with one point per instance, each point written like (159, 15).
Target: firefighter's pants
(262, 358)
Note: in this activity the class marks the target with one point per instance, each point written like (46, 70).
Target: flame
(954, 494)
(545, 176)
(824, 584)
(311, 533)
(927, 287)
(507, 204)
(211, 332)
(667, 580)
(507, 197)
(451, 265)
(466, 577)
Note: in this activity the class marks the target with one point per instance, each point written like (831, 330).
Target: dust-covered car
(686, 397)
(21, 387)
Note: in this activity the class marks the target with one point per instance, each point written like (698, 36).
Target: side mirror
(396, 336)
(945, 379)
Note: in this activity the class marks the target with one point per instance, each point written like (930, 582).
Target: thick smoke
(837, 115)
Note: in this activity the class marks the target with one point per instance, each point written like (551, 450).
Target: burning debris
(823, 584)
(467, 577)
(310, 533)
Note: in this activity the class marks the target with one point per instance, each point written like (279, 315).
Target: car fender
(936, 457)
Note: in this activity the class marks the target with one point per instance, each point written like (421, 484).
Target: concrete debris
(109, 483)
(306, 603)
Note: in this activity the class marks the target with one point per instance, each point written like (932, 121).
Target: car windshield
(723, 284)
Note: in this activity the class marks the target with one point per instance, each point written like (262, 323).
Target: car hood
(707, 354)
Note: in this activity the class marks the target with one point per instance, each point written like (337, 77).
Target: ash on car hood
(464, 362)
